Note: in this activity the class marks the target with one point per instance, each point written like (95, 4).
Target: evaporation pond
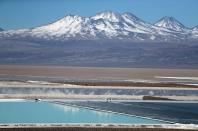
(43, 112)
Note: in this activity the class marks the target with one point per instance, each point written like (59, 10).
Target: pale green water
(43, 112)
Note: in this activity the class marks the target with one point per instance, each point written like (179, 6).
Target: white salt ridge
(179, 78)
(12, 100)
(163, 126)
(41, 82)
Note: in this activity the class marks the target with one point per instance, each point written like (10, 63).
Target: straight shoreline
(99, 127)
(95, 97)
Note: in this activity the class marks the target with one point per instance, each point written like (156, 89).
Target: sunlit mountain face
(106, 39)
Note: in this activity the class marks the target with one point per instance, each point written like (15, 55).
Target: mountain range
(106, 39)
(108, 26)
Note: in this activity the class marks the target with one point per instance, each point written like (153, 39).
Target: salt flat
(61, 78)
(95, 73)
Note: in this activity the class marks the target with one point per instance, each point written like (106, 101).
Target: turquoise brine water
(43, 112)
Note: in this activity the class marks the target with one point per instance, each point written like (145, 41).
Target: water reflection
(67, 109)
(102, 114)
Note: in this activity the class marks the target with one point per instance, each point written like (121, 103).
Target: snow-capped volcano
(170, 23)
(105, 25)
(69, 26)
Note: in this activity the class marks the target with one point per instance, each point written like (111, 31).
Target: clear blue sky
(16, 14)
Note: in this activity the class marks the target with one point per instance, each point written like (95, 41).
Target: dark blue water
(178, 112)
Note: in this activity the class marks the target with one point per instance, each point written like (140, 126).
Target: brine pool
(30, 112)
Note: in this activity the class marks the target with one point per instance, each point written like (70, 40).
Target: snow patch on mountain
(195, 32)
(108, 16)
(195, 29)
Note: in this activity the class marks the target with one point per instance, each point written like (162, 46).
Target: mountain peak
(69, 17)
(170, 23)
(169, 18)
(108, 15)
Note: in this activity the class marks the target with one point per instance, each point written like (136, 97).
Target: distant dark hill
(103, 54)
